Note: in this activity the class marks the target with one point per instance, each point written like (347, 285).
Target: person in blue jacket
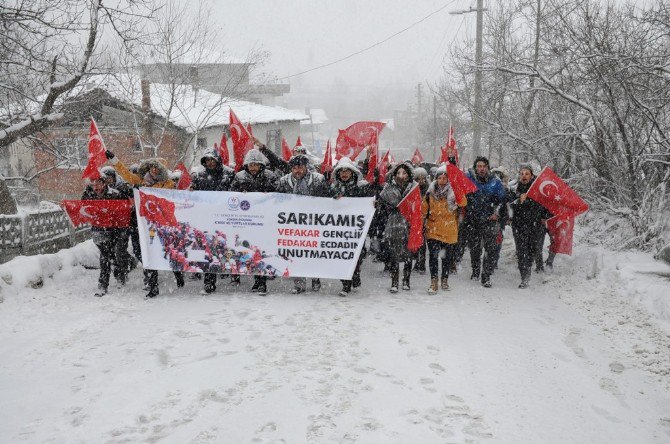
(482, 219)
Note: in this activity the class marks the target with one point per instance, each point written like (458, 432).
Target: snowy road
(552, 364)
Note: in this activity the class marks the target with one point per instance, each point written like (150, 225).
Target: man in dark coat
(215, 177)
(255, 177)
(110, 241)
(528, 220)
(305, 183)
(482, 216)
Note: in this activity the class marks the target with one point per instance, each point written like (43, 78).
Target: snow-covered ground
(582, 356)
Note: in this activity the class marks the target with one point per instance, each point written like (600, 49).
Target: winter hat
(300, 159)
(480, 159)
(346, 164)
(108, 171)
(299, 149)
(419, 172)
(442, 169)
(255, 156)
(209, 153)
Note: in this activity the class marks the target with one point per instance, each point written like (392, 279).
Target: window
(72, 152)
(273, 138)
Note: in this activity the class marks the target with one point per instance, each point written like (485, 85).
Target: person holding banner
(215, 177)
(528, 219)
(396, 231)
(348, 182)
(440, 211)
(482, 219)
(150, 173)
(305, 183)
(110, 241)
(255, 177)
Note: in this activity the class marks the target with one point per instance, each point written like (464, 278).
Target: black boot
(179, 277)
(395, 276)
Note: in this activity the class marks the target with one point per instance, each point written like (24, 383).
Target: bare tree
(46, 48)
(586, 92)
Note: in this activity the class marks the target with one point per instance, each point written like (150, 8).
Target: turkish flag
(157, 209)
(384, 167)
(560, 230)
(96, 153)
(242, 140)
(452, 152)
(555, 195)
(185, 179)
(417, 158)
(459, 182)
(286, 152)
(251, 133)
(298, 142)
(373, 161)
(410, 208)
(354, 139)
(223, 150)
(327, 164)
(99, 213)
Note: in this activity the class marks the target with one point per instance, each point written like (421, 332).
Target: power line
(371, 46)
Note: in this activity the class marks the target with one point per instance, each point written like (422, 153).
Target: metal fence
(38, 232)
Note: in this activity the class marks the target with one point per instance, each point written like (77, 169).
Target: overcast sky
(302, 34)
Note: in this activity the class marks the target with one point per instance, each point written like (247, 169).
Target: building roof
(190, 108)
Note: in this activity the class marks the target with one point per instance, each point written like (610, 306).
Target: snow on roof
(190, 108)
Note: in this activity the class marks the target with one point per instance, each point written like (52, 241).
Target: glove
(109, 154)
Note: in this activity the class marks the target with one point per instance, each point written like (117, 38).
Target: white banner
(269, 234)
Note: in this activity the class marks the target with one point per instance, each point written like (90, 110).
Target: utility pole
(476, 120)
(434, 127)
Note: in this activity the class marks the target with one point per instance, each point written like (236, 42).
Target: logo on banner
(233, 203)
(245, 205)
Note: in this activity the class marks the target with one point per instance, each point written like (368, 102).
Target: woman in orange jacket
(440, 212)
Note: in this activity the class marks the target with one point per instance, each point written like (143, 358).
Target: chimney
(145, 86)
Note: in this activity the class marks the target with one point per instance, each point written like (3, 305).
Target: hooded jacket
(312, 184)
(396, 231)
(217, 179)
(356, 186)
(264, 181)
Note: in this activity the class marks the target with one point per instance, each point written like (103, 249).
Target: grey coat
(396, 232)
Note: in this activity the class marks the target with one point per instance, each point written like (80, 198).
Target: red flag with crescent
(354, 139)
(223, 150)
(157, 209)
(410, 208)
(384, 167)
(99, 213)
(555, 195)
(560, 230)
(459, 182)
(185, 179)
(286, 152)
(96, 153)
(417, 158)
(449, 151)
(298, 142)
(373, 162)
(327, 164)
(243, 142)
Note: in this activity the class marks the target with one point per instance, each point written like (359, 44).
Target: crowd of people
(451, 223)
